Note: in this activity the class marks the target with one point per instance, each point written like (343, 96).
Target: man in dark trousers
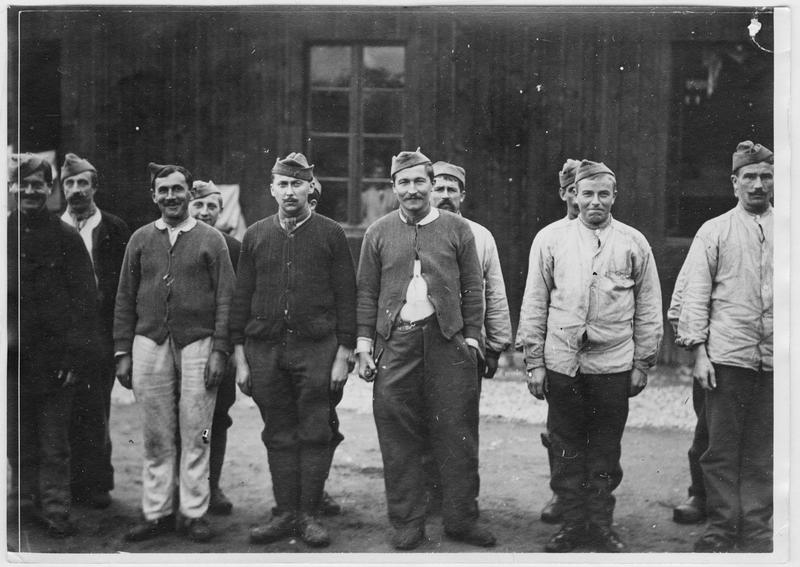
(693, 510)
(105, 237)
(293, 327)
(420, 312)
(726, 320)
(206, 205)
(171, 341)
(591, 325)
(551, 513)
(52, 296)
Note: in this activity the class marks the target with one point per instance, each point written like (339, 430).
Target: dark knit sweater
(183, 291)
(303, 281)
(446, 249)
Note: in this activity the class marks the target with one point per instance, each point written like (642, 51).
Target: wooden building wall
(507, 93)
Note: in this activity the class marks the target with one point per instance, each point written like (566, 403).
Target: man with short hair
(205, 205)
(591, 324)
(551, 513)
(420, 311)
(105, 237)
(51, 335)
(293, 329)
(171, 339)
(726, 319)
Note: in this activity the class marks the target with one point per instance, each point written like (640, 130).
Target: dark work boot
(566, 539)
(552, 511)
(693, 511)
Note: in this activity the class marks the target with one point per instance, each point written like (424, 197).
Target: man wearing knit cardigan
(293, 329)
(420, 311)
(171, 344)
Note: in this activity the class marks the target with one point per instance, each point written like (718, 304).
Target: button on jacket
(727, 298)
(591, 304)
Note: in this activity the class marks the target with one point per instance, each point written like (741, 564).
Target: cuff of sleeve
(363, 344)
(642, 365)
(221, 345)
(120, 353)
(473, 343)
(346, 340)
(472, 333)
(123, 345)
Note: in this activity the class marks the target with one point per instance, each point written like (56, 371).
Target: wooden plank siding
(509, 93)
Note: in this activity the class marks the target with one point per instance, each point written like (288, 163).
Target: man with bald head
(726, 320)
(591, 324)
(105, 237)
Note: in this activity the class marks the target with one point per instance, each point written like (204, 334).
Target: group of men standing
(425, 317)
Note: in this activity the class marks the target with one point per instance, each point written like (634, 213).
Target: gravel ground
(666, 402)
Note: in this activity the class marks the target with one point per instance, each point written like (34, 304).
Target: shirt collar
(746, 213)
(605, 225)
(429, 218)
(91, 221)
(185, 226)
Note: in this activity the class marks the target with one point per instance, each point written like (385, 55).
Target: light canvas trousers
(169, 384)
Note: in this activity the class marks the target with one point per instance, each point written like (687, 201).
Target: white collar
(185, 226)
(748, 214)
(429, 218)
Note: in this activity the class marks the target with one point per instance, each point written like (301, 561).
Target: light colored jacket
(675, 304)
(591, 306)
(727, 299)
(496, 332)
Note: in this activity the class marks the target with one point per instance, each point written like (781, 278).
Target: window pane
(330, 66)
(333, 201)
(330, 111)
(384, 66)
(329, 156)
(378, 154)
(377, 199)
(383, 112)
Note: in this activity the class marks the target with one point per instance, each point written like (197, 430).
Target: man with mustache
(726, 319)
(206, 205)
(171, 339)
(551, 513)
(105, 237)
(420, 311)
(51, 335)
(591, 325)
(293, 329)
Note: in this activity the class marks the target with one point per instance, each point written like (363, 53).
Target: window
(354, 125)
(722, 94)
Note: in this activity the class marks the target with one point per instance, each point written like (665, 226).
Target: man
(293, 328)
(692, 511)
(726, 320)
(448, 194)
(591, 324)
(420, 312)
(105, 237)
(205, 205)
(51, 311)
(551, 513)
(171, 340)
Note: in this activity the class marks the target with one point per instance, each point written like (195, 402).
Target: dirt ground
(514, 486)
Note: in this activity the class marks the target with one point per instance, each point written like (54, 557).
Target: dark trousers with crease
(699, 442)
(90, 440)
(426, 396)
(226, 396)
(290, 382)
(737, 466)
(586, 418)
